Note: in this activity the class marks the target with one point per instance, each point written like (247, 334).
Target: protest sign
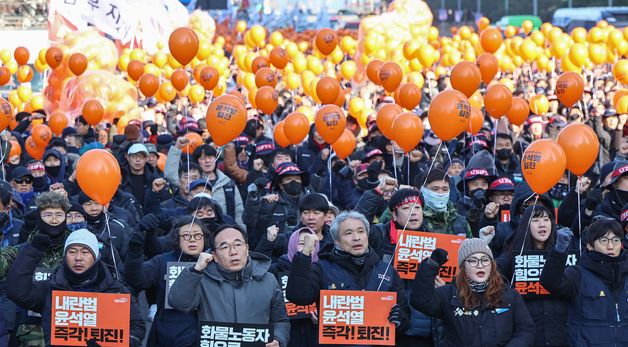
(173, 270)
(528, 269)
(414, 246)
(222, 334)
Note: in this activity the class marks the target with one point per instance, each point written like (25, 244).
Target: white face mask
(434, 200)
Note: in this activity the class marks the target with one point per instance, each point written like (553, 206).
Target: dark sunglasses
(24, 180)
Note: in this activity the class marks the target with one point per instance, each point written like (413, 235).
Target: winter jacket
(446, 222)
(279, 247)
(508, 325)
(372, 205)
(258, 299)
(37, 296)
(512, 170)
(150, 174)
(126, 201)
(170, 327)
(177, 201)
(230, 165)
(260, 214)
(598, 298)
(117, 233)
(227, 195)
(344, 194)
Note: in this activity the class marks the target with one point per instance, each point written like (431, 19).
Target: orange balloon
(259, 62)
(266, 100)
(327, 89)
(618, 95)
(449, 114)
(226, 119)
(161, 162)
(491, 39)
(265, 77)
(41, 135)
(93, 112)
(407, 131)
(326, 41)
(539, 105)
(77, 63)
(340, 99)
(21, 55)
(279, 58)
(372, 70)
(24, 74)
(466, 78)
(179, 79)
(183, 44)
(581, 146)
(149, 84)
(483, 23)
(6, 113)
(135, 69)
(386, 117)
(390, 75)
(488, 65)
(98, 175)
(543, 164)
(36, 152)
(330, 122)
(194, 141)
(408, 96)
(497, 100)
(16, 149)
(54, 57)
(296, 127)
(57, 122)
(238, 96)
(569, 88)
(280, 136)
(5, 75)
(476, 119)
(208, 78)
(345, 145)
(518, 112)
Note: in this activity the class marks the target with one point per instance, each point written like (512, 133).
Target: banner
(173, 270)
(41, 274)
(414, 246)
(295, 311)
(528, 269)
(77, 317)
(356, 317)
(220, 334)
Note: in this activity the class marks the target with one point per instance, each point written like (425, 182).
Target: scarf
(355, 260)
(478, 287)
(82, 280)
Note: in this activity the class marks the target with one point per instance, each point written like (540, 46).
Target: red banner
(414, 246)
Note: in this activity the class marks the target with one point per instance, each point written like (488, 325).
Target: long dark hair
(185, 220)
(493, 294)
(522, 234)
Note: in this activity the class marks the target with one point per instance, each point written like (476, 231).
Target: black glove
(374, 170)
(261, 183)
(4, 218)
(395, 315)
(345, 172)
(479, 198)
(136, 244)
(92, 343)
(41, 242)
(594, 197)
(149, 223)
(439, 256)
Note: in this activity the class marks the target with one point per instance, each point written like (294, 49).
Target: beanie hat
(132, 132)
(83, 198)
(404, 196)
(74, 207)
(85, 238)
(314, 201)
(470, 246)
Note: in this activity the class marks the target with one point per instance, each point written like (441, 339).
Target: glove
(563, 238)
(395, 315)
(149, 223)
(136, 244)
(374, 170)
(92, 343)
(479, 198)
(594, 197)
(41, 242)
(4, 218)
(252, 190)
(439, 256)
(261, 183)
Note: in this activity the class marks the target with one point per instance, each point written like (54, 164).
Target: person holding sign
(81, 271)
(526, 251)
(352, 265)
(235, 288)
(478, 308)
(189, 238)
(596, 288)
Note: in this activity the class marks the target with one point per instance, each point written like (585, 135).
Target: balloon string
(113, 257)
(331, 151)
(432, 163)
(525, 236)
(395, 163)
(579, 214)
(408, 178)
(2, 154)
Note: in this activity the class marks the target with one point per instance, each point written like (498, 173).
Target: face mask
(559, 191)
(504, 153)
(293, 188)
(210, 224)
(77, 226)
(363, 184)
(52, 230)
(434, 200)
(53, 171)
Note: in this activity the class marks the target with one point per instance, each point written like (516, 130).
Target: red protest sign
(77, 317)
(356, 317)
(413, 246)
(295, 311)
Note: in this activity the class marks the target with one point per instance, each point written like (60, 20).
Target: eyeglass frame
(189, 237)
(480, 261)
(238, 246)
(607, 240)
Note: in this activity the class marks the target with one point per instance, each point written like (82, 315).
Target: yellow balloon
(196, 93)
(579, 35)
(300, 63)
(220, 88)
(595, 35)
(336, 56)
(160, 59)
(24, 92)
(40, 67)
(597, 53)
(348, 45)
(427, 55)
(620, 71)
(123, 62)
(138, 54)
(578, 54)
(204, 50)
(538, 38)
(432, 34)
(314, 65)
(416, 78)
(14, 99)
(167, 91)
(348, 69)
(539, 104)
(5, 56)
(152, 69)
(249, 81)
(258, 34)
(292, 49)
(12, 66)
(241, 26)
(37, 102)
(307, 111)
(292, 81)
(559, 48)
(622, 105)
(172, 62)
(276, 38)
(356, 105)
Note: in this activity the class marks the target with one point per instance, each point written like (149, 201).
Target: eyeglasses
(475, 262)
(238, 247)
(504, 196)
(389, 193)
(24, 180)
(604, 241)
(51, 215)
(188, 237)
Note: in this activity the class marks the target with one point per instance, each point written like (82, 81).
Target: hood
(256, 267)
(523, 192)
(480, 164)
(60, 177)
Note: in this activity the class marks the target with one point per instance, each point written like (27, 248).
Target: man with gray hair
(351, 265)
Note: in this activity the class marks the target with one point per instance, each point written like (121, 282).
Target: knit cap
(470, 246)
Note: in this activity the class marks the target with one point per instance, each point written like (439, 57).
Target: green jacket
(446, 222)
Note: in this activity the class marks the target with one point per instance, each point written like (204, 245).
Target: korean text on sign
(414, 246)
(173, 270)
(220, 334)
(356, 317)
(528, 269)
(77, 317)
(295, 311)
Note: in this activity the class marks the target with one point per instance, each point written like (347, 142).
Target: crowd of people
(259, 225)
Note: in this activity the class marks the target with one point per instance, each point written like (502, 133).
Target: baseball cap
(137, 148)
(502, 184)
